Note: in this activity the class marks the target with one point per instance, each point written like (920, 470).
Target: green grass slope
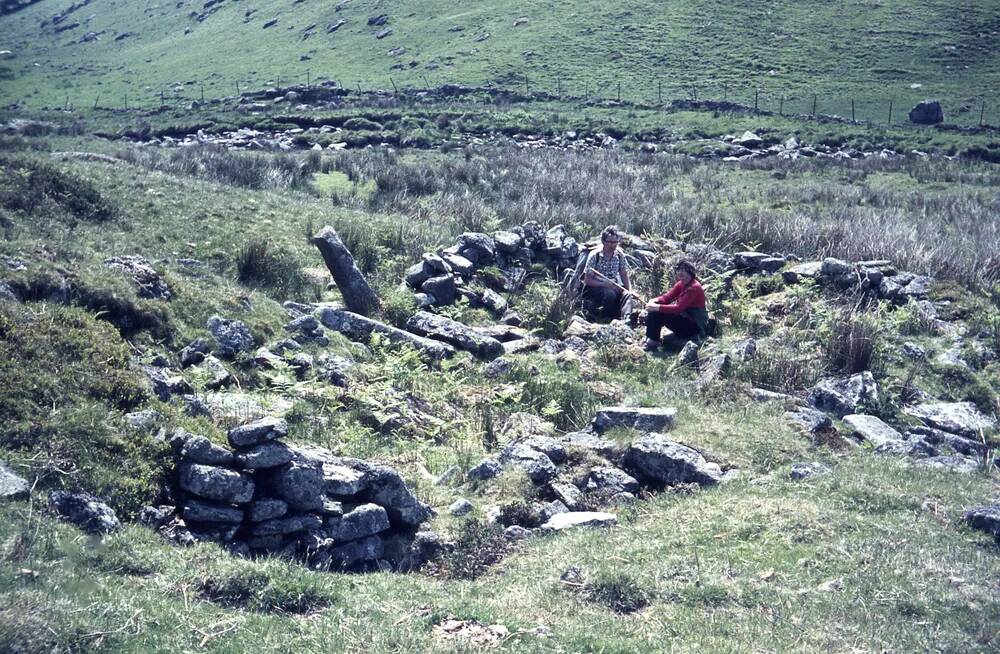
(870, 52)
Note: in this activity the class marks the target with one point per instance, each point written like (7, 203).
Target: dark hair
(612, 232)
(687, 267)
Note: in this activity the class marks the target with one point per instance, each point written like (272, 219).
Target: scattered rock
(927, 112)
(359, 328)
(962, 418)
(460, 507)
(870, 429)
(802, 471)
(663, 462)
(142, 274)
(257, 432)
(215, 483)
(484, 470)
(810, 421)
(231, 336)
(84, 510)
(843, 396)
(455, 333)
(985, 518)
(563, 521)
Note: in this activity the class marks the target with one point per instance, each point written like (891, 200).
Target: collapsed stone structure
(265, 497)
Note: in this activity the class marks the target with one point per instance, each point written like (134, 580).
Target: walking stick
(621, 288)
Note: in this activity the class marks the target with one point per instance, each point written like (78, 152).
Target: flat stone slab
(962, 418)
(450, 331)
(589, 441)
(641, 419)
(359, 328)
(985, 518)
(12, 487)
(214, 483)
(258, 432)
(870, 429)
(571, 519)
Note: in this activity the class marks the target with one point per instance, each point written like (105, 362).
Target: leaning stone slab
(359, 328)
(455, 333)
(563, 521)
(358, 295)
(870, 429)
(661, 461)
(962, 418)
(960, 464)
(641, 419)
(214, 483)
(386, 488)
(12, 487)
(257, 432)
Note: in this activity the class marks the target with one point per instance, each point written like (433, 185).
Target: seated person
(681, 310)
(602, 298)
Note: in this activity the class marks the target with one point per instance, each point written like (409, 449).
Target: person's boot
(651, 345)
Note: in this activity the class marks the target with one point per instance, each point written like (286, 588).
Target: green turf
(871, 53)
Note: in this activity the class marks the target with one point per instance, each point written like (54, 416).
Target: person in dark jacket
(681, 310)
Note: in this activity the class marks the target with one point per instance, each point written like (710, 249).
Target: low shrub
(287, 590)
(853, 342)
(619, 591)
(261, 264)
(34, 189)
(478, 547)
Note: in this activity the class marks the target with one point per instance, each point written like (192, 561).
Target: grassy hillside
(871, 52)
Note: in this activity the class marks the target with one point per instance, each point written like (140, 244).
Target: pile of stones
(265, 497)
(578, 472)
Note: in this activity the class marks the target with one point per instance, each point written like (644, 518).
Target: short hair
(609, 232)
(687, 267)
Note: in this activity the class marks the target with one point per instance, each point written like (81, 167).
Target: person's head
(610, 238)
(685, 271)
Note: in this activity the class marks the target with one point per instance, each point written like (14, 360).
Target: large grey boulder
(641, 419)
(927, 112)
(231, 336)
(962, 418)
(563, 521)
(386, 488)
(484, 470)
(215, 483)
(358, 295)
(365, 520)
(12, 486)
(358, 328)
(609, 480)
(443, 288)
(455, 333)
(660, 461)
(85, 511)
(477, 247)
(870, 429)
(547, 445)
(843, 396)
(802, 471)
(258, 431)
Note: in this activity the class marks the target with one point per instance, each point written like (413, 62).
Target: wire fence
(974, 110)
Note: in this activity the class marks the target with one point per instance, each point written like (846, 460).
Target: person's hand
(652, 306)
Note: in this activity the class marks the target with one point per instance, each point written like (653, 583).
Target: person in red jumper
(681, 309)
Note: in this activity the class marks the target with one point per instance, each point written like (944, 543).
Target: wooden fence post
(890, 113)
(394, 89)
(982, 111)
(162, 102)
(619, 91)
(781, 106)
(96, 100)
(559, 88)
(527, 89)
(756, 96)
(659, 90)
(852, 110)
(814, 105)
(237, 87)
(202, 91)
(308, 79)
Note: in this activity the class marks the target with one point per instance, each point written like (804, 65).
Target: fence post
(559, 88)
(427, 83)
(619, 91)
(890, 113)
(756, 95)
(202, 91)
(852, 110)
(277, 83)
(394, 89)
(982, 110)
(359, 86)
(527, 89)
(162, 102)
(725, 92)
(237, 88)
(308, 79)
(781, 106)
(126, 100)
(694, 92)
(659, 90)
(96, 100)
(814, 105)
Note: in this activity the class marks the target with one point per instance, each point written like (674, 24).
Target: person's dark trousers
(682, 326)
(602, 302)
